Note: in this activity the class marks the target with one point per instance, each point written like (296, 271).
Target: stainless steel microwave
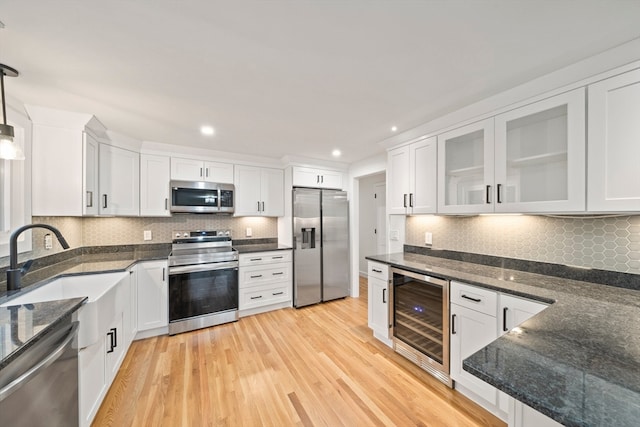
(202, 197)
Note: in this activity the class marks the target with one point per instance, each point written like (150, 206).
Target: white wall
(367, 219)
(369, 166)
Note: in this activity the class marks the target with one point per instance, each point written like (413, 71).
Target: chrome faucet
(14, 274)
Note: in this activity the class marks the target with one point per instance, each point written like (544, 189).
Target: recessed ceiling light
(394, 128)
(207, 130)
(336, 153)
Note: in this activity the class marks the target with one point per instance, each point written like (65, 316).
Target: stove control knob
(185, 235)
(177, 235)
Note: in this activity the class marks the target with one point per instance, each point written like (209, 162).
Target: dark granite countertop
(264, 247)
(25, 325)
(578, 361)
(33, 322)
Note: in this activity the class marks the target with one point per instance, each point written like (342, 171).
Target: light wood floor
(316, 366)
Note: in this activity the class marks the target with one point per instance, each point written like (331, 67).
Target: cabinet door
(115, 347)
(153, 300)
(132, 320)
(272, 189)
(614, 147)
(218, 172)
(398, 180)
(423, 176)
(514, 311)
(119, 181)
(92, 380)
(525, 416)
(187, 169)
(331, 179)
(470, 331)
(154, 185)
(306, 177)
(90, 175)
(540, 156)
(248, 190)
(379, 307)
(465, 169)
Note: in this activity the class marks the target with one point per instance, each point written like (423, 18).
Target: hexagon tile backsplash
(610, 243)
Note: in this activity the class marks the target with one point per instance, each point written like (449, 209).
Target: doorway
(371, 218)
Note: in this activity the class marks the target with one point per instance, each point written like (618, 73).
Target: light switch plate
(48, 241)
(147, 234)
(249, 232)
(428, 238)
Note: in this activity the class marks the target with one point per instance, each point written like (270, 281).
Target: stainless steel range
(203, 281)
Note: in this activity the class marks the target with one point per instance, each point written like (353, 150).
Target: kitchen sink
(101, 290)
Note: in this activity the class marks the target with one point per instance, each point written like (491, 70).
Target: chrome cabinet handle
(488, 194)
(89, 199)
(255, 259)
(258, 206)
(453, 324)
(277, 257)
(262, 206)
(499, 195)
(104, 201)
(376, 271)
(255, 277)
(384, 296)
(410, 200)
(470, 298)
(200, 172)
(166, 204)
(206, 171)
(405, 201)
(277, 293)
(504, 319)
(321, 179)
(258, 297)
(163, 273)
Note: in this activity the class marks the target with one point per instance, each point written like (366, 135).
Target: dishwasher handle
(43, 364)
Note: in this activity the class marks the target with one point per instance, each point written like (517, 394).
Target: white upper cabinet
(412, 178)
(64, 162)
(317, 178)
(614, 144)
(197, 170)
(465, 169)
(530, 159)
(119, 181)
(154, 185)
(540, 156)
(259, 191)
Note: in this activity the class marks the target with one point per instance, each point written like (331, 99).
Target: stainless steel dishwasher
(40, 387)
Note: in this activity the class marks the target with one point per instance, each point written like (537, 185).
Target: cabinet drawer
(259, 296)
(478, 299)
(378, 270)
(260, 258)
(264, 274)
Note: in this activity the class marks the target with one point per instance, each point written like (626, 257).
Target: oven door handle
(214, 266)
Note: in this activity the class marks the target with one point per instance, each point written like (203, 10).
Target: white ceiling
(299, 77)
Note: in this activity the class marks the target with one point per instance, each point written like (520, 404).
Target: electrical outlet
(48, 241)
(147, 235)
(428, 238)
(248, 232)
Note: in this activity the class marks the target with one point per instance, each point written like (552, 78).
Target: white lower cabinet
(152, 298)
(378, 297)
(265, 282)
(98, 363)
(526, 416)
(478, 317)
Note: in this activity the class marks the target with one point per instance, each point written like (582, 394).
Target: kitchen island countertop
(578, 361)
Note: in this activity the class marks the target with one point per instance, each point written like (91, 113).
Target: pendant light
(9, 150)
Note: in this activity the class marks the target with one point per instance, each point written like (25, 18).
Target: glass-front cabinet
(540, 156)
(465, 169)
(530, 159)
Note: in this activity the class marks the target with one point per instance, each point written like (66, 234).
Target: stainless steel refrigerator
(320, 245)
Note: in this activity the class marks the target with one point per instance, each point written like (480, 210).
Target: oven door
(198, 290)
(421, 316)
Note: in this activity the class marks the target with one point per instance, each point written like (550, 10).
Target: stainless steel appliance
(420, 323)
(203, 281)
(40, 387)
(202, 197)
(320, 245)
